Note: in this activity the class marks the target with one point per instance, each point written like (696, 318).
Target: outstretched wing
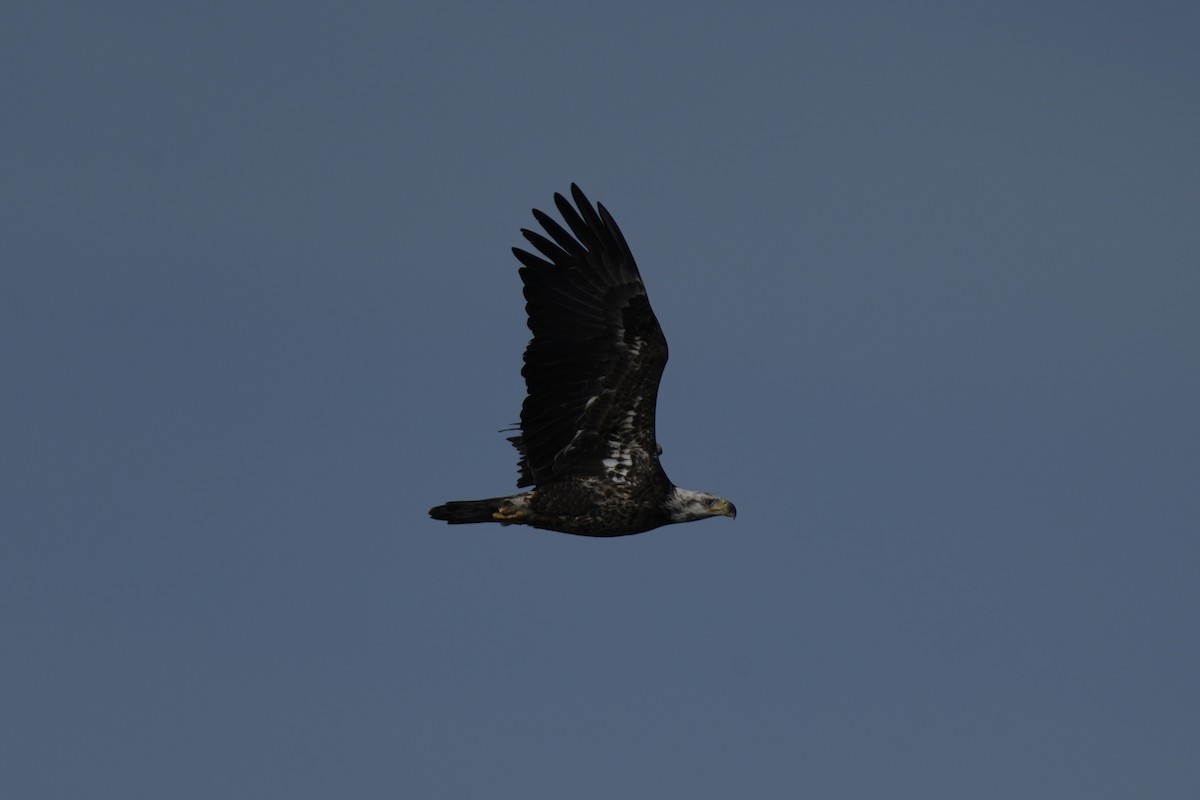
(597, 354)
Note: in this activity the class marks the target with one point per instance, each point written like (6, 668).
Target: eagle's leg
(508, 513)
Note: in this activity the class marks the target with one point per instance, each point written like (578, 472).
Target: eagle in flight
(587, 443)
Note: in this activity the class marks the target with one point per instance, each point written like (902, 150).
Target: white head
(685, 505)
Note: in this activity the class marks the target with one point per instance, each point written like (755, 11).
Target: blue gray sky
(930, 273)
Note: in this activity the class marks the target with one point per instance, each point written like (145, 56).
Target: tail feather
(460, 512)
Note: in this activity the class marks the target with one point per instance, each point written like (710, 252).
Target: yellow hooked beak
(723, 508)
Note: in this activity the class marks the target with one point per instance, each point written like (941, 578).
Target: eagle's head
(685, 505)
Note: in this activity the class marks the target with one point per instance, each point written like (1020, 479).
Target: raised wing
(597, 354)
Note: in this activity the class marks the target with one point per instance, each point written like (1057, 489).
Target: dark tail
(460, 512)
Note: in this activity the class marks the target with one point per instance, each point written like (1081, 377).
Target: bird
(586, 438)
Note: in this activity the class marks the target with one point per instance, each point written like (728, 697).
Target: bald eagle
(587, 443)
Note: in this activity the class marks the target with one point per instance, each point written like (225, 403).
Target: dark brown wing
(597, 354)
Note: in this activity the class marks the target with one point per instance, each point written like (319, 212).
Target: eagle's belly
(597, 507)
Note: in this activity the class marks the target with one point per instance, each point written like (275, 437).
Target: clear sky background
(931, 277)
